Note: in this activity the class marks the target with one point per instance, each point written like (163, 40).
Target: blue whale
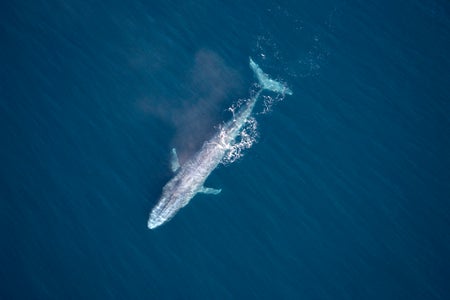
(190, 177)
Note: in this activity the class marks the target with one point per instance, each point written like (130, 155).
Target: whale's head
(153, 223)
(168, 205)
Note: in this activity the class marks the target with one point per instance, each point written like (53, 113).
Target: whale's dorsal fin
(174, 163)
(210, 191)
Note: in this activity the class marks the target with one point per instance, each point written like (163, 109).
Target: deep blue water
(345, 195)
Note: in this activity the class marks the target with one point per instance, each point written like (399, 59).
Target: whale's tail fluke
(267, 83)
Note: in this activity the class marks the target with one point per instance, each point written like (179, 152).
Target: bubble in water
(243, 141)
(269, 101)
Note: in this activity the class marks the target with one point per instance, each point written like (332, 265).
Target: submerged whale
(190, 177)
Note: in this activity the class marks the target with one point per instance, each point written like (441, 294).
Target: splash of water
(249, 133)
(269, 101)
(247, 137)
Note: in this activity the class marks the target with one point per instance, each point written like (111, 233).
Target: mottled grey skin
(192, 175)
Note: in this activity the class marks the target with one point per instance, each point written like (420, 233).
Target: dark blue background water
(346, 194)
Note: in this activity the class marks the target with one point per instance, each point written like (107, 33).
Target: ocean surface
(345, 194)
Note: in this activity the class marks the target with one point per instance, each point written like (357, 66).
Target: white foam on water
(247, 137)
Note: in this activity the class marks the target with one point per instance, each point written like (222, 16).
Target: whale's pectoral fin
(211, 191)
(174, 163)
